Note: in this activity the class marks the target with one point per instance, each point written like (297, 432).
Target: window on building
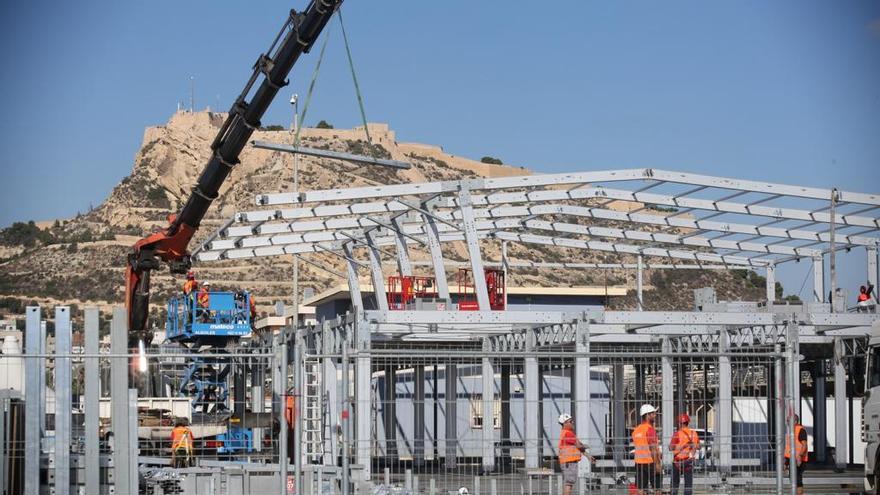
(476, 401)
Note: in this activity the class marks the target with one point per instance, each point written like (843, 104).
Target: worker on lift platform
(204, 303)
(864, 298)
(181, 444)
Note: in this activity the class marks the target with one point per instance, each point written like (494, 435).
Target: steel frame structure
(648, 218)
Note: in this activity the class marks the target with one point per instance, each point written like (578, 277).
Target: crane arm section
(299, 33)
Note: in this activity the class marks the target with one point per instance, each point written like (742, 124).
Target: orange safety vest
(189, 286)
(204, 299)
(801, 445)
(863, 296)
(685, 444)
(642, 454)
(568, 452)
(181, 438)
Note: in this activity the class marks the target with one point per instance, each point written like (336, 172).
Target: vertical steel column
(841, 429)
(92, 398)
(376, 272)
(258, 406)
(299, 406)
(389, 411)
(832, 251)
(792, 393)
(871, 254)
(33, 367)
(639, 284)
(668, 398)
(132, 433)
(505, 266)
(488, 432)
(818, 279)
(403, 264)
(433, 237)
(354, 285)
(451, 415)
(779, 415)
(466, 206)
(532, 393)
(279, 390)
(42, 402)
(363, 395)
(580, 386)
(792, 329)
(820, 418)
(63, 399)
(418, 414)
(724, 428)
(618, 415)
(119, 399)
(771, 283)
(330, 380)
(346, 420)
(5, 412)
(505, 412)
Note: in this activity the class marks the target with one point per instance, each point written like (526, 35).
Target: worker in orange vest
(649, 467)
(181, 444)
(684, 446)
(190, 286)
(864, 298)
(253, 309)
(204, 302)
(570, 451)
(800, 455)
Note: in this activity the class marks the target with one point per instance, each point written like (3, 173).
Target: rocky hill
(81, 260)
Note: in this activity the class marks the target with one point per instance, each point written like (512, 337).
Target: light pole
(298, 371)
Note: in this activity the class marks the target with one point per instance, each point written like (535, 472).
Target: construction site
(471, 323)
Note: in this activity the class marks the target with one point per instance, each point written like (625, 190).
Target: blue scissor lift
(211, 330)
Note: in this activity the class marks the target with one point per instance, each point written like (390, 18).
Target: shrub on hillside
(491, 160)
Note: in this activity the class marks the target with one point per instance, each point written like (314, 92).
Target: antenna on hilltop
(192, 94)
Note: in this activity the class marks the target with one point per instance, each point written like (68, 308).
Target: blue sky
(785, 91)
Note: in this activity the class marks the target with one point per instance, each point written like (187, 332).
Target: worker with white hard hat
(647, 453)
(204, 301)
(570, 451)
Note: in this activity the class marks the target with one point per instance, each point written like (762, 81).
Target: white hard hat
(206, 283)
(463, 491)
(647, 408)
(563, 418)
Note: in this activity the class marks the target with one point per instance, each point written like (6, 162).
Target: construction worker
(253, 309)
(800, 455)
(190, 286)
(570, 451)
(647, 453)
(181, 444)
(864, 298)
(684, 446)
(204, 302)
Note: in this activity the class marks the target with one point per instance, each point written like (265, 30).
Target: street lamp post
(297, 430)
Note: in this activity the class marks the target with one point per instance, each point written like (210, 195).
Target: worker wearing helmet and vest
(647, 453)
(800, 454)
(190, 286)
(864, 298)
(570, 451)
(684, 446)
(204, 301)
(181, 444)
